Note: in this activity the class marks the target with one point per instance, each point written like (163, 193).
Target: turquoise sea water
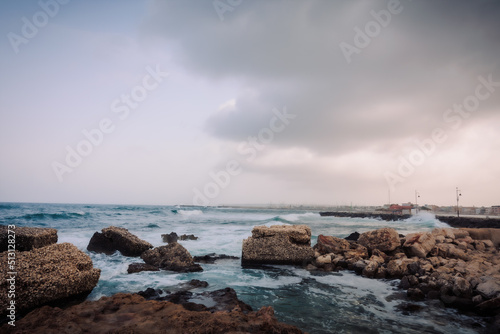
(318, 303)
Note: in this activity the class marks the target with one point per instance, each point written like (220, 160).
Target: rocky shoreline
(460, 268)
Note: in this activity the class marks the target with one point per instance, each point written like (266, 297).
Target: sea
(316, 302)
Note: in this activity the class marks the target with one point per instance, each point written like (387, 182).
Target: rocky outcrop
(138, 267)
(172, 257)
(384, 239)
(27, 238)
(492, 234)
(445, 264)
(376, 215)
(278, 244)
(173, 237)
(131, 313)
(212, 257)
(419, 244)
(51, 274)
(117, 239)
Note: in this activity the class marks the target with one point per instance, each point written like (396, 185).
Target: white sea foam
(188, 213)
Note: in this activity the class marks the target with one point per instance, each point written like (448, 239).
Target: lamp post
(417, 195)
(459, 193)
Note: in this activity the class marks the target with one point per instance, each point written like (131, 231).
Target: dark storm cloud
(287, 53)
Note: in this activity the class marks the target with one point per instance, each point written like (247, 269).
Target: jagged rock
(492, 234)
(131, 313)
(419, 244)
(172, 257)
(169, 238)
(278, 244)
(117, 239)
(353, 236)
(489, 288)
(50, 274)
(188, 237)
(384, 239)
(138, 267)
(329, 244)
(211, 258)
(451, 251)
(27, 238)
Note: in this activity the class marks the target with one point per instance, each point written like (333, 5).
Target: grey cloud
(424, 61)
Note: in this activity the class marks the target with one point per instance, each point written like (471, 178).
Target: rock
(138, 267)
(323, 260)
(117, 239)
(451, 251)
(446, 233)
(492, 234)
(353, 236)
(371, 268)
(172, 237)
(50, 274)
(461, 287)
(489, 288)
(384, 239)
(491, 306)
(172, 257)
(415, 294)
(27, 238)
(278, 244)
(328, 244)
(131, 313)
(419, 244)
(398, 268)
(356, 252)
(211, 258)
(188, 237)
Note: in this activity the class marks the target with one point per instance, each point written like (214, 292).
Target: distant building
(495, 210)
(404, 209)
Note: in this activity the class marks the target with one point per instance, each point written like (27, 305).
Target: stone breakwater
(470, 222)
(446, 264)
(375, 215)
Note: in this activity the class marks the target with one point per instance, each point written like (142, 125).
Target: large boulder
(117, 239)
(131, 313)
(329, 244)
(26, 238)
(47, 275)
(384, 239)
(492, 234)
(419, 244)
(278, 244)
(172, 257)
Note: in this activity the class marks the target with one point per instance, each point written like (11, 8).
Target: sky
(231, 102)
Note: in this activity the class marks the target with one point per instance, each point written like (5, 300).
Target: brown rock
(49, 274)
(138, 267)
(130, 313)
(27, 238)
(451, 251)
(278, 244)
(419, 244)
(384, 239)
(329, 244)
(172, 257)
(117, 239)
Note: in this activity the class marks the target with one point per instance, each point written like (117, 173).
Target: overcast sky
(251, 101)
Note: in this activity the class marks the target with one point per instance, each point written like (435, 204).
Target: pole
(459, 193)
(417, 195)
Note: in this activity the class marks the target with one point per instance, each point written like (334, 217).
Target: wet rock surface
(52, 274)
(27, 238)
(117, 239)
(278, 244)
(445, 264)
(172, 257)
(131, 313)
(212, 257)
(139, 267)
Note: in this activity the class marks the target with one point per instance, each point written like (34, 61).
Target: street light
(417, 195)
(459, 193)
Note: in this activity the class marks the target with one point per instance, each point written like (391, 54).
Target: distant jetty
(376, 215)
(459, 222)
